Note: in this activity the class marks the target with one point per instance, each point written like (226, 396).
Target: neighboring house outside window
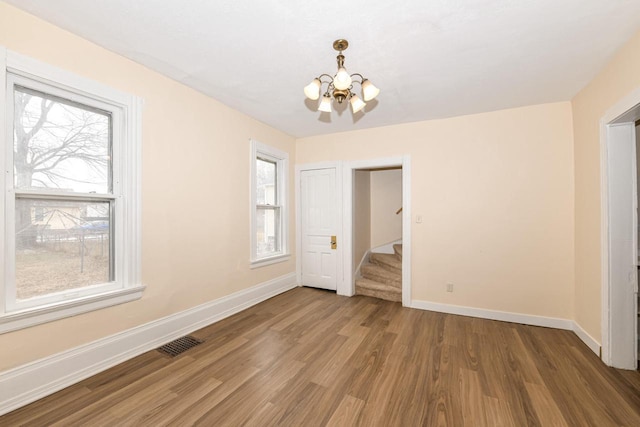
(71, 154)
(269, 207)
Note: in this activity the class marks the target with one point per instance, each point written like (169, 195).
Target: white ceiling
(431, 59)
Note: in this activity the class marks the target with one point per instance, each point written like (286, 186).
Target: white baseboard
(586, 338)
(505, 316)
(28, 383)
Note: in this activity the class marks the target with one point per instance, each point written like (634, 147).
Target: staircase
(382, 276)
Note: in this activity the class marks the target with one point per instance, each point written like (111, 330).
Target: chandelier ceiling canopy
(340, 86)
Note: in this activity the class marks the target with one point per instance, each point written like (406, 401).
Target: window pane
(265, 182)
(60, 144)
(61, 245)
(267, 231)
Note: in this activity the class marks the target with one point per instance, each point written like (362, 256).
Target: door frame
(349, 169)
(339, 227)
(627, 110)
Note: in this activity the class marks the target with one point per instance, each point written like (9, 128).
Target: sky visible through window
(266, 182)
(60, 145)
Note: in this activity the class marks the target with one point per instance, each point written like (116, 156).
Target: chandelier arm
(329, 83)
(362, 79)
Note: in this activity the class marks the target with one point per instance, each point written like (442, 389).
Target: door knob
(334, 242)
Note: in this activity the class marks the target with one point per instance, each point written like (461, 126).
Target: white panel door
(622, 253)
(319, 221)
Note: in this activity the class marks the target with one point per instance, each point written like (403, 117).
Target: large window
(269, 171)
(71, 234)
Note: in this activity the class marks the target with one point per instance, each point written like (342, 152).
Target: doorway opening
(377, 228)
(637, 222)
(377, 232)
(620, 184)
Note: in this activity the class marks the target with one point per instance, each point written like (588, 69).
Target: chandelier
(339, 86)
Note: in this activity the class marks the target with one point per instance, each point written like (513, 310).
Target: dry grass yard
(58, 266)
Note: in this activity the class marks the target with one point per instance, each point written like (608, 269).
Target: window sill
(271, 260)
(35, 316)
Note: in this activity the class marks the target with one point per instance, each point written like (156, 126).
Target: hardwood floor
(311, 358)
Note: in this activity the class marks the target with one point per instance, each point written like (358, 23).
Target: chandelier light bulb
(312, 90)
(325, 104)
(342, 80)
(369, 91)
(357, 104)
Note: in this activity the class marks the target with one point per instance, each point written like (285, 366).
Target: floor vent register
(179, 346)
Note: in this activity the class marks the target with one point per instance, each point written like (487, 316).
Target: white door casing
(622, 218)
(319, 221)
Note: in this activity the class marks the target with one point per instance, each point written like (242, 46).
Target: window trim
(281, 158)
(128, 154)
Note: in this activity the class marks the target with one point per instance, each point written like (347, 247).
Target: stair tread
(379, 290)
(374, 271)
(372, 284)
(386, 260)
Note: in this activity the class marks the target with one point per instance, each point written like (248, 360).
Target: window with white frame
(71, 153)
(269, 172)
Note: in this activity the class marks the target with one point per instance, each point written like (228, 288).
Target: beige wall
(195, 237)
(495, 191)
(361, 215)
(386, 199)
(620, 77)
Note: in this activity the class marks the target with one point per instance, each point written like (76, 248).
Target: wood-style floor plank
(347, 413)
(312, 358)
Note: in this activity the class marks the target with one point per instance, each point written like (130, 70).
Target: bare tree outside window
(60, 147)
(59, 144)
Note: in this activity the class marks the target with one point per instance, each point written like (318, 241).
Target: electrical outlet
(449, 287)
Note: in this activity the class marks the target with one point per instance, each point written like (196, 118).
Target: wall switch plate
(449, 287)
(418, 219)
